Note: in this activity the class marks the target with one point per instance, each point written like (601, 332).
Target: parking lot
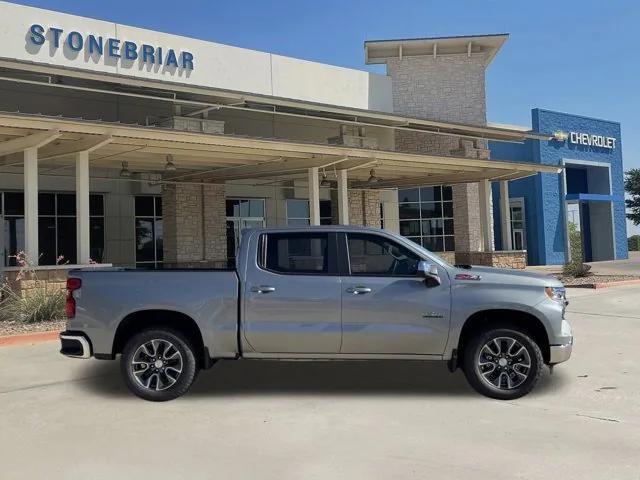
(64, 418)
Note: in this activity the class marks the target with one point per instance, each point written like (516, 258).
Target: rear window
(295, 253)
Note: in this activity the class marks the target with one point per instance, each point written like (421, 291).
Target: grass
(40, 304)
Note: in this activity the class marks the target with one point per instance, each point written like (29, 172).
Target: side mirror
(430, 272)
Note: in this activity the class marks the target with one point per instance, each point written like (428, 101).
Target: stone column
(215, 223)
(448, 88)
(364, 208)
(194, 220)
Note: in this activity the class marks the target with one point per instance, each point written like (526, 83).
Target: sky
(573, 56)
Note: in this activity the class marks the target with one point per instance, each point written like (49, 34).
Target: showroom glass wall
(426, 217)
(149, 231)
(56, 227)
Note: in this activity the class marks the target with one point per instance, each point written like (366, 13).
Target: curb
(620, 283)
(29, 338)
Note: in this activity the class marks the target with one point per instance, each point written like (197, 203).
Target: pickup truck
(319, 293)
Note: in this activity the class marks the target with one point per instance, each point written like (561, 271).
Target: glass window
(242, 214)
(298, 213)
(426, 216)
(96, 235)
(409, 195)
(13, 204)
(66, 239)
(56, 227)
(298, 209)
(66, 204)
(13, 239)
(376, 255)
(96, 205)
(145, 206)
(47, 240)
(149, 232)
(297, 253)
(47, 204)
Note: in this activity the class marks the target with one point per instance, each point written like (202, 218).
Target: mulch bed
(592, 281)
(20, 328)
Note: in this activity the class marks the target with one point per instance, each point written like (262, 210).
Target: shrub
(575, 267)
(634, 243)
(39, 304)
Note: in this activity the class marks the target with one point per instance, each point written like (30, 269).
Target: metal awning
(196, 100)
(220, 157)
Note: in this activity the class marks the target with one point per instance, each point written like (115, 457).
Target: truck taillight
(72, 285)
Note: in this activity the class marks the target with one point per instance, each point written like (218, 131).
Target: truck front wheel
(502, 363)
(158, 364)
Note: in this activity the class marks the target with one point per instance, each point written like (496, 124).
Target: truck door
(292, 294)
(386, 307)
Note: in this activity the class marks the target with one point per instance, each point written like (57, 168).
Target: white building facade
(137, 148)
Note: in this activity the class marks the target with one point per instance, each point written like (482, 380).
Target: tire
(165, 365)
(502, 363)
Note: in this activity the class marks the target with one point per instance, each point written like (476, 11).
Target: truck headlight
(557, 294)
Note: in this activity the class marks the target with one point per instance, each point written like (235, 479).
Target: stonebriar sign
(97, 45)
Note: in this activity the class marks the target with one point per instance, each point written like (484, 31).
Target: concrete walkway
(631, 266)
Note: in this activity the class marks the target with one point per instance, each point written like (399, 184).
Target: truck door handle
(263, 289)
(359, 290)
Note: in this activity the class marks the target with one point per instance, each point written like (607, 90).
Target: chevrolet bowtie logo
(560, 136)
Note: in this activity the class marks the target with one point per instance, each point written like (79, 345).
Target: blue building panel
(592, 154)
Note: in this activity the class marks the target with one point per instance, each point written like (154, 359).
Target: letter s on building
(37, 37)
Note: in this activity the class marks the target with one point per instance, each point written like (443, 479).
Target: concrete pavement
(64, 418)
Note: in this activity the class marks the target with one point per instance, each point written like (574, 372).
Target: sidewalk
(631, 266)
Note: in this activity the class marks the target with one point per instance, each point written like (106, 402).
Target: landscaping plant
(42, 303)
(575, 266)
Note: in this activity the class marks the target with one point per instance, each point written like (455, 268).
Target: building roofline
(379, 51)
(586, 117)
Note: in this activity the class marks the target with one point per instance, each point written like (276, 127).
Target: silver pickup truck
(321, 293)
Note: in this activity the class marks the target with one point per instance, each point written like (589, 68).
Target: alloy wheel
(504, 363)
(157, 364)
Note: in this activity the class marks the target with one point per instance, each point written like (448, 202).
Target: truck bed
(208, 296)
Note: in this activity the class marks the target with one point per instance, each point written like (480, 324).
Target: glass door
(242, 213)
(518, 235)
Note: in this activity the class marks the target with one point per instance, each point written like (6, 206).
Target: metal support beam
(505, 215)
(314, 196)
(343, 198)
(70, 148)
(82, 207)
(485, 215)
(31, 248)
(21, 144)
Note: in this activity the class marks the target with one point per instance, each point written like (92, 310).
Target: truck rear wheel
(502, 363)
(158, 364)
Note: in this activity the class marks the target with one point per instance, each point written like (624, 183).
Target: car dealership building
(130, 147)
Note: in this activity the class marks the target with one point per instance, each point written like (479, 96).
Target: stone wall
(215, 223)
(498, 259)
(364, 208)
(194, 221)
(447, 88)
(52, 279)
